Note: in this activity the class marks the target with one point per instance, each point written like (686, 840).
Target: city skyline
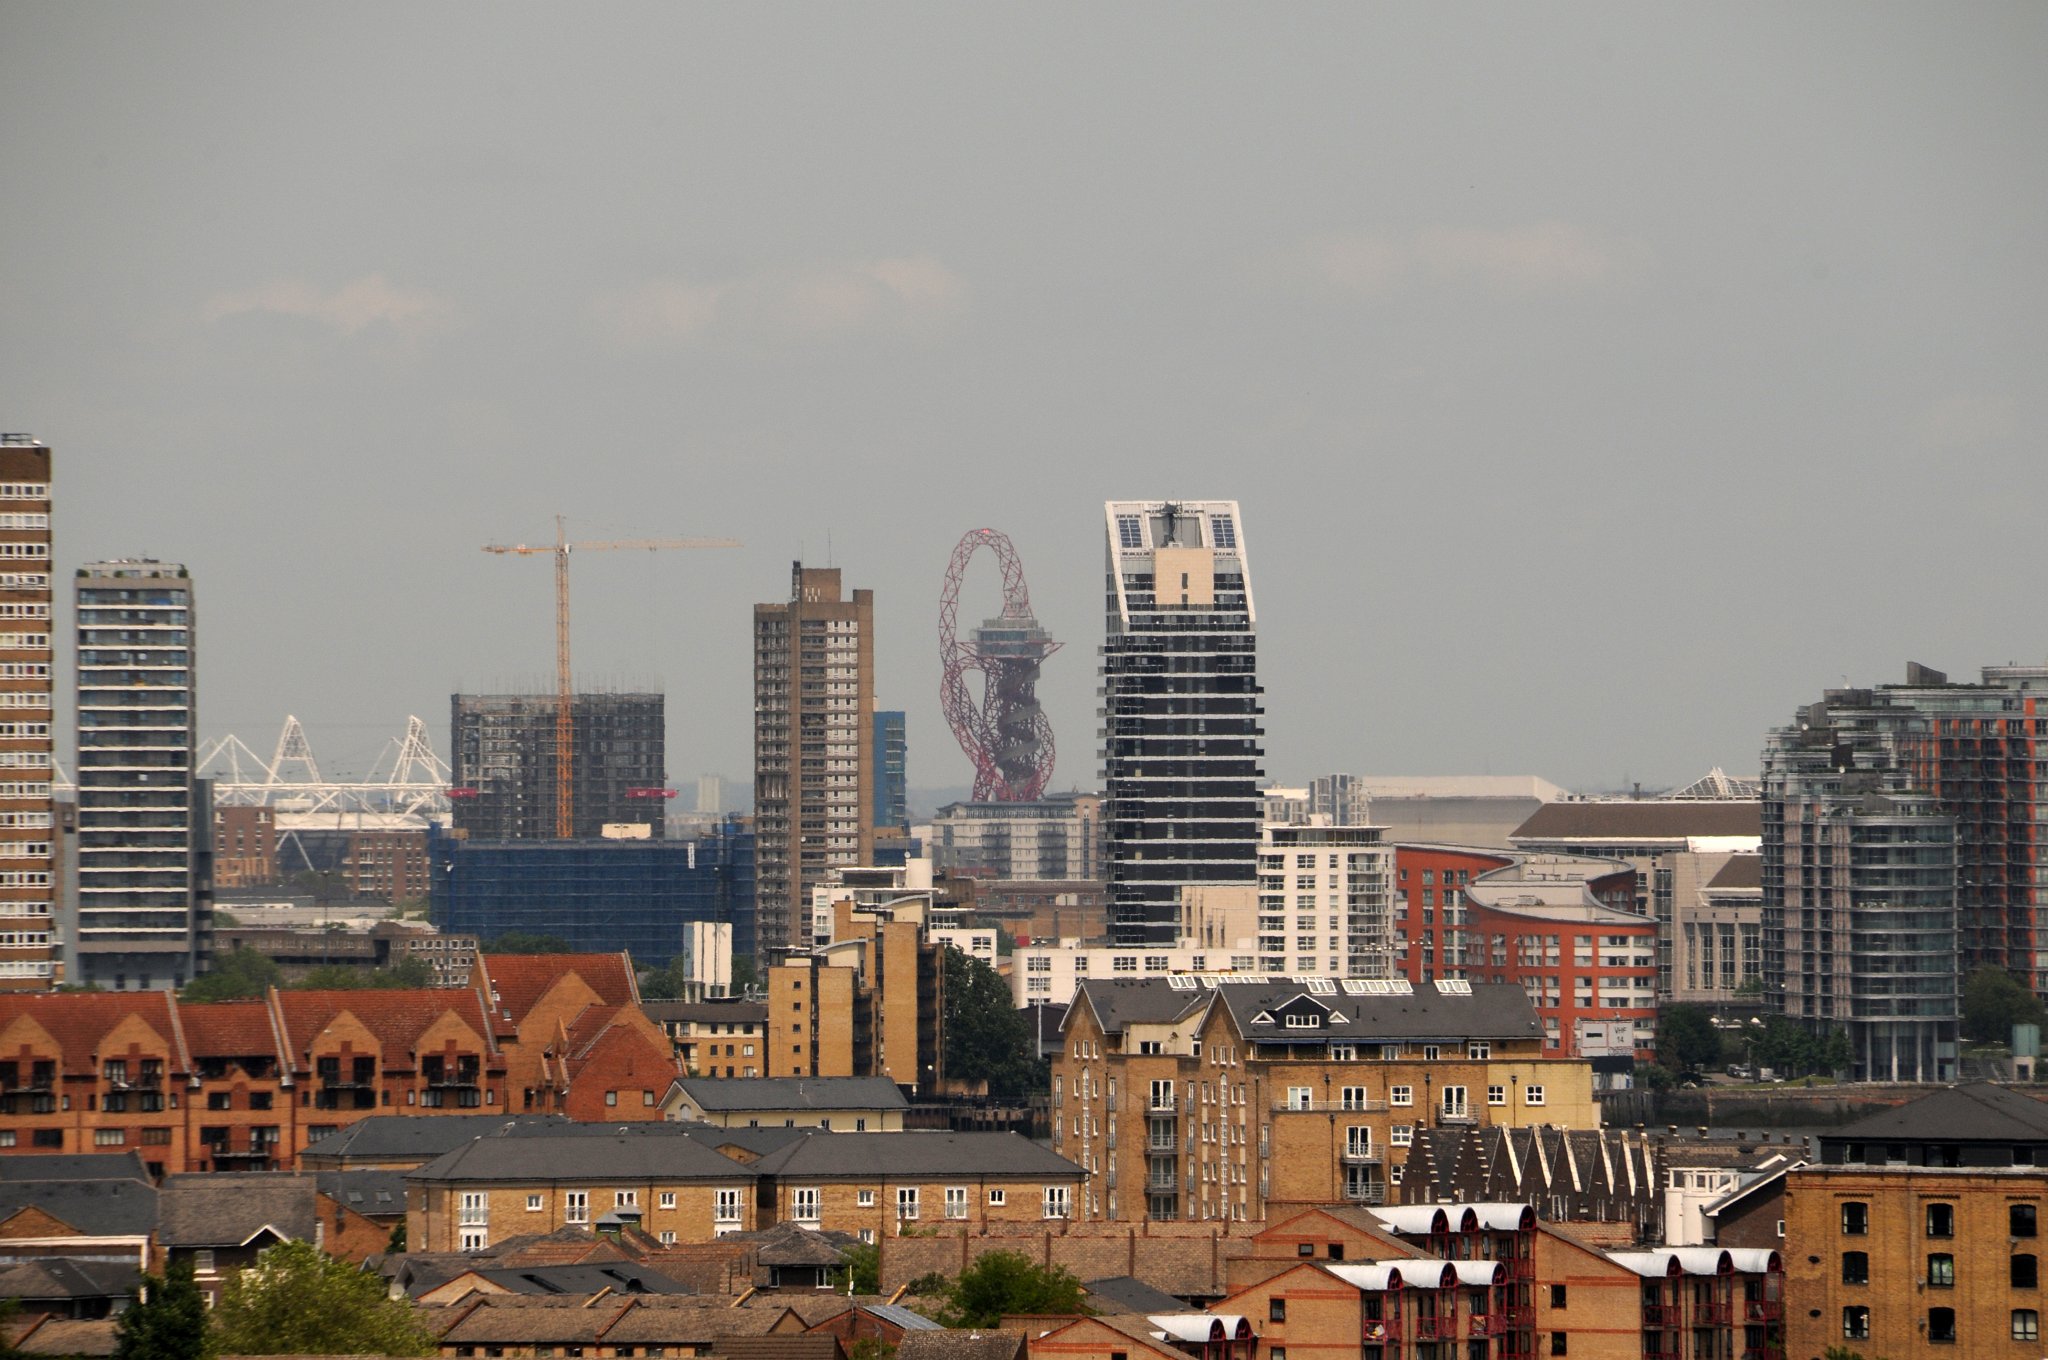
(1573, 430)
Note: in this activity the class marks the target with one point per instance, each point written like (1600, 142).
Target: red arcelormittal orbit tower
(1007, 735)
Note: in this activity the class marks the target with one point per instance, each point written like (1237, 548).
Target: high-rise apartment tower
(1180, 710)
(1901, 849)
(141, 835)
(814, 746)
(28, 866)
(505, 764)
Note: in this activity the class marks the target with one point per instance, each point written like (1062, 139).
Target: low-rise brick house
(1213, 1097)
(669, 1185)
(533, 998)
(1920, 1228)
(221, 1224)
(886, 1184)
(846, 1104)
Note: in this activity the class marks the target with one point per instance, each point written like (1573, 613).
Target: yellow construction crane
(565, 775)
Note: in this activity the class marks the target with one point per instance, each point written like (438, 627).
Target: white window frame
(956, 1201)
(1401, 1095)
(1059, 1201)
(576, 1206)
(1532, 1095)
(906, 1202)
(864, 1199)
(802, 1199)
(998, 1197)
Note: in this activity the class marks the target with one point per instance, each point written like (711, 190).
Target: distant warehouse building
(598, 895)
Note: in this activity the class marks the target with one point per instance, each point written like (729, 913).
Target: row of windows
(1940, 1326)
(2022, 1220)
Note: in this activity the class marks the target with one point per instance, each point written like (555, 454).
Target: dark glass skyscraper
(1180, 710)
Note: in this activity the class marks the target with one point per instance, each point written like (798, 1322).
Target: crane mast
(565, 723)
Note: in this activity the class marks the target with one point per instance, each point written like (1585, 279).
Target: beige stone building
(1213, 1098)
(895, 1184)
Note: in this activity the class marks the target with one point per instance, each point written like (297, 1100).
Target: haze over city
(1598, 383)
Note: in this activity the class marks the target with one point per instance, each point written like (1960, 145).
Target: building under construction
(503, 783)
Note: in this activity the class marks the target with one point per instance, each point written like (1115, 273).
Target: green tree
(340, 977)
(526, 942)
(863, 1261)
(1786, 1047)
(744, 974)
(1010, 1282)
(235, 975)
(167, 1321)
(1993, 1002)
(297, 1300)
(1837, 1054)
(1686, 1038)
(987, 1037)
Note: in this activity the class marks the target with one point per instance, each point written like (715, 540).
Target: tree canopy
(526, 942)
(987, 1037)
(1003, 1282)
(1686, 1038)
(411, 971)
(1993, 1002)
(235, 975)
(297, 1300)
(167, 1322)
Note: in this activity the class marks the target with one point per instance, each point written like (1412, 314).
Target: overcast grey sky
(1599, 382)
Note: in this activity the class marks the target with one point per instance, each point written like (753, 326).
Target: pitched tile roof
(1127, 1294)
(94, 1208)
(924, 1155)
(215, 1210)
(793, 1093)
(792, 1244)
(618, 1157)
(519, 981)
(229, 1029)
(69, 1337)
(982, 1344)
(79, 1020)
(584, 1279)
(811, 1346)
(397, 1018)
(1645, 819)
(1977, 1113)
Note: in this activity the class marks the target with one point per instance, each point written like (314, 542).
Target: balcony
(1457, 1117)
(1762, 1310)
(1356, 1154)
(1370, 1192)
(1432, 1329)
(1164, 1107)
(1657, 1316)
(1713, 1314)
(1330, 1107)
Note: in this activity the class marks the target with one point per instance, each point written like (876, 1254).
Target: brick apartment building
(247, 1085)
(678, 1186)
(1920, 1227)
(1215, 1097)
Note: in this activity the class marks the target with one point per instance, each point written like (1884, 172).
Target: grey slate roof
(621, 1157)
(394, 1137)
(1741, 871)
(793, 1093)
(95, 1208)
(60, 1277)
(215, 1210)
(1977, 1113)
(1649, 820)
(759, 1141)
(378, 1194)
(792, 1244)
(1490, 1010)
(706, 1012)
(885, 1156)
(1127, 1294)
(621, 1277)
(84, 1166)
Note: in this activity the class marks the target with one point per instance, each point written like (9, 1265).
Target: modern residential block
(144, 825)
(814, 745)
(1180, 709)
(29, 950)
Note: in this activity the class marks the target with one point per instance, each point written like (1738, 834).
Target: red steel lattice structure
(1006, 735)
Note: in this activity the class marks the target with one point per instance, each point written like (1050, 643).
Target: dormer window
(1299, 1021)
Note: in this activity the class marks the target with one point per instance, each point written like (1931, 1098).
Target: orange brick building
(247, 1085)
